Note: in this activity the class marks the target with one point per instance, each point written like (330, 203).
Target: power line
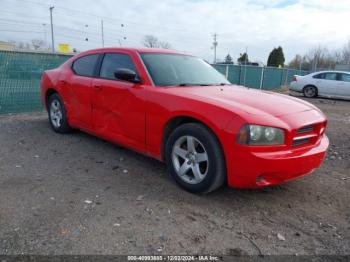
(75, 11)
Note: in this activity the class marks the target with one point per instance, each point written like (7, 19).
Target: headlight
(260, 135)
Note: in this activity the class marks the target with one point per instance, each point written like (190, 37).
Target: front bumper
(259, 169)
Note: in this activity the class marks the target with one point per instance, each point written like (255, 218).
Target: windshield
(175, 69)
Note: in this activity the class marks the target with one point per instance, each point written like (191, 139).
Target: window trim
(118, 80)
(95, 67)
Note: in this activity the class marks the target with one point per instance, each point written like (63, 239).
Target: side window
(330, 76)
(345, 77)
(113, 62)
(319, 76)
(85, 66)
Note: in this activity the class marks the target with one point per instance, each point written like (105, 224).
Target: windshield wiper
(191, 84)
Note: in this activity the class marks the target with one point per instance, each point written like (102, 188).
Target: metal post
(226, 74)
(262, 77)
(215, 43)
(245, 64)
(52, 37)
(286, 79)
(102, 34)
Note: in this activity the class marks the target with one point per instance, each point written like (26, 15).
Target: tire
(57, 114)
(310, 91)
(195, 159)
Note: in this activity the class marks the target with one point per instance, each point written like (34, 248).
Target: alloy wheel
(310, 91)
(56, 113)
(190, 159)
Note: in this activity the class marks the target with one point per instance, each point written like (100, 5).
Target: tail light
(295, 79)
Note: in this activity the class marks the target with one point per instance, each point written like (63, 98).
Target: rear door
(119, 106)
(79, 90)
(344, 85)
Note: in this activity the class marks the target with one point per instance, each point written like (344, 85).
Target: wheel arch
(179, 120)
(50, 91)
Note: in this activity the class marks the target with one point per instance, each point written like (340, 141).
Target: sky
(188, 25)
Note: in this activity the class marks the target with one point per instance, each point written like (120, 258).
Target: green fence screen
(265, 78)
(20, 74)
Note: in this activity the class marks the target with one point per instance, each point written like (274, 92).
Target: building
(7, 46)
(345, 67)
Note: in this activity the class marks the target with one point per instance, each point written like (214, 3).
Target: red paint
(135, 116)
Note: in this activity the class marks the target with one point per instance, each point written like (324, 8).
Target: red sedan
(178, 109)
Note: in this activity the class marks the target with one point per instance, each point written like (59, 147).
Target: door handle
(98, 87)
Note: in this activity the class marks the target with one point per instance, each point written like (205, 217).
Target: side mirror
(127, 75)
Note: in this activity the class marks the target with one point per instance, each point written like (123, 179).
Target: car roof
(142, 50)
(330, 71)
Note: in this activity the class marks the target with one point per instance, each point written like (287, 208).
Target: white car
(333, 84)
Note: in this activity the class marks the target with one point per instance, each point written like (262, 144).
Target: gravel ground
(77, 194)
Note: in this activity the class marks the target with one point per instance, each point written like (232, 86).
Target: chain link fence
(266, 78)
(20, 74)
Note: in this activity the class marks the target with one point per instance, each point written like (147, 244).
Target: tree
(280, 57)
(152, 42)
(319, 57)
(299, 62)
(276, 57)
(164, 45)
(228, 59)
(38, 44)
(345, 52)
(243, 58)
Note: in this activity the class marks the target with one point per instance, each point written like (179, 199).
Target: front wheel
(57, 114)
(195, 159)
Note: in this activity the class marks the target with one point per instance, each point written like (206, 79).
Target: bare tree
(38, 44)
(320, 57)
(150, 41)
(164, 45)
(153, 42)
(346, 53)
(20, 45)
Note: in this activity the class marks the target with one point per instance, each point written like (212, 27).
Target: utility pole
(215, 43)
(245, 64)
(52, 38)
(102, 34)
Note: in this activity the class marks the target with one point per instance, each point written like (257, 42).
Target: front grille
(300, 142)
(307, 135)
(305, 129)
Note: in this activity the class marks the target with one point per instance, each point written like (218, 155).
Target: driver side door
(118, 107)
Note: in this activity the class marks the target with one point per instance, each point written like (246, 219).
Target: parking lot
(77, 194)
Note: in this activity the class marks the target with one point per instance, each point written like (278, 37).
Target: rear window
(330, 76)
(85, 66)
(319, 76)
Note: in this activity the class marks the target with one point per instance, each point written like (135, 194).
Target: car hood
(249, 100)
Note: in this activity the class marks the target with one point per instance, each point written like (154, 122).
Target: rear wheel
(57, 114)
(195, 159)
(310, 91)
